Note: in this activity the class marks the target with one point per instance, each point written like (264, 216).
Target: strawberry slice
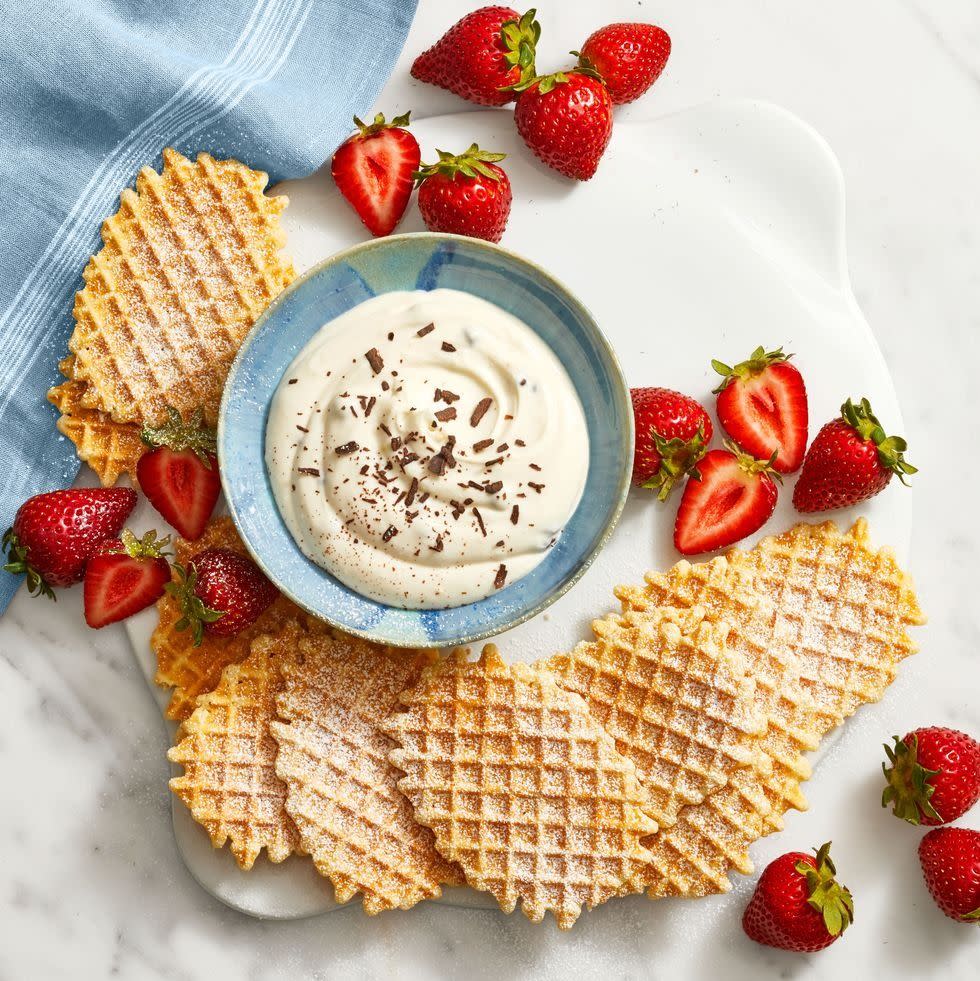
(124, 576)
(762, 405)
(374, 169)
(735, 496)
(179, 475)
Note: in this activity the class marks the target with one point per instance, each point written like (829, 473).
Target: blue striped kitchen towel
(91, 92)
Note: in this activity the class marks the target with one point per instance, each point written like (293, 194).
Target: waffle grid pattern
(521, 786)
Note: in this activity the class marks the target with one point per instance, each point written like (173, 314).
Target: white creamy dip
(426, 448)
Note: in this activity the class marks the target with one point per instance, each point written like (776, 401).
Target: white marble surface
(90, 882)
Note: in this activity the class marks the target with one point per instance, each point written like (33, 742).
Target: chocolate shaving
(482, 408)
(292, 381)
(447, 414)
(390, 533)
(503, 448)
(473, 484)
(385, 386)
(446, 396)
(494, 488)
(515, 513)
(479, 521)
(396, 443)
(310, 471)
(413, 489)
(302, 429)
(534, 466)
(458, 509)
(494, 461)
(446, 346)
(346, 448)
(438, 545)
(375, 360)
(384, 429)
(537, 487)
(501, 577)
(500, 544)
(427, 329)
(391, 335)
(482, 445)
(520, 442)
(436, 464)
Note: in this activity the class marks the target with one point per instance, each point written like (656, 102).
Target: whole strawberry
(629, 57)
(566, 119)
(672, 434)
(932, 775)
(798, 905)
(221, 592)
(55, 534)
(762, 405)
(374, 170)
(850, 460)
(950, 859)
(466, 194)
(480, 55)
(125, 575)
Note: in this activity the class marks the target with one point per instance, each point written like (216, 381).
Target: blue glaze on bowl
(407, 262)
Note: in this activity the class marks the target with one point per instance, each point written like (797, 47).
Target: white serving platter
(704, 234)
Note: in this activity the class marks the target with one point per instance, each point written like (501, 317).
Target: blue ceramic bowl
(407, 262)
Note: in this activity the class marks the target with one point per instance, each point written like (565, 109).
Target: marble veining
(91, 883)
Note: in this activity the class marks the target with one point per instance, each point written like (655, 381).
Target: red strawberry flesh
(374, 169)
(735, 497)
(124, 577)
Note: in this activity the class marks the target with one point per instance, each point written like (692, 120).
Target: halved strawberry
(179, 475)
(374, 169)
(735, 496)
(762, 405)
(125, 576)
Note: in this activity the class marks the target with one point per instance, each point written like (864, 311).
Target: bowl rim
(622, 391)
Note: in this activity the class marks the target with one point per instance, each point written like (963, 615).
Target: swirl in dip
(426, 448)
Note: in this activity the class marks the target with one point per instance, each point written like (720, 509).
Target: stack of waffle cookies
(188, 263)
(647, 759)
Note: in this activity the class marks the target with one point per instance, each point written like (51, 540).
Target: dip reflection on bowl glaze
(426, 448)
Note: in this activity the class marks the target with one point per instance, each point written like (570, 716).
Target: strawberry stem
(520, 40)
(19, 565)
(890, 448)
(194, 613)
(471, 163)
(677, 458)
(832, 900)
(147, 547)
(178, 435)
(751, 465)
(379, 124)
(908, 788)
(755, 364)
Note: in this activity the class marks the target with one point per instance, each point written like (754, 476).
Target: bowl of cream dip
(425, 440)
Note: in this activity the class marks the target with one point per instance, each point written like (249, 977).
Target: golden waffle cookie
(678, 703)
(228, 754)
(189, 262)
(342, 791)
(191, 670)
(110, 448)
(842, 608)
(521, 786)
(693, 858)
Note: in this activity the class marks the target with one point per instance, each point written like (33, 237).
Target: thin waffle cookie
(842, 608)
(521, 786)
(110, 448)
(191, 670)
(838, 581)
(342, 792)
(228, 754)
(189, 262)
(678, 703)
